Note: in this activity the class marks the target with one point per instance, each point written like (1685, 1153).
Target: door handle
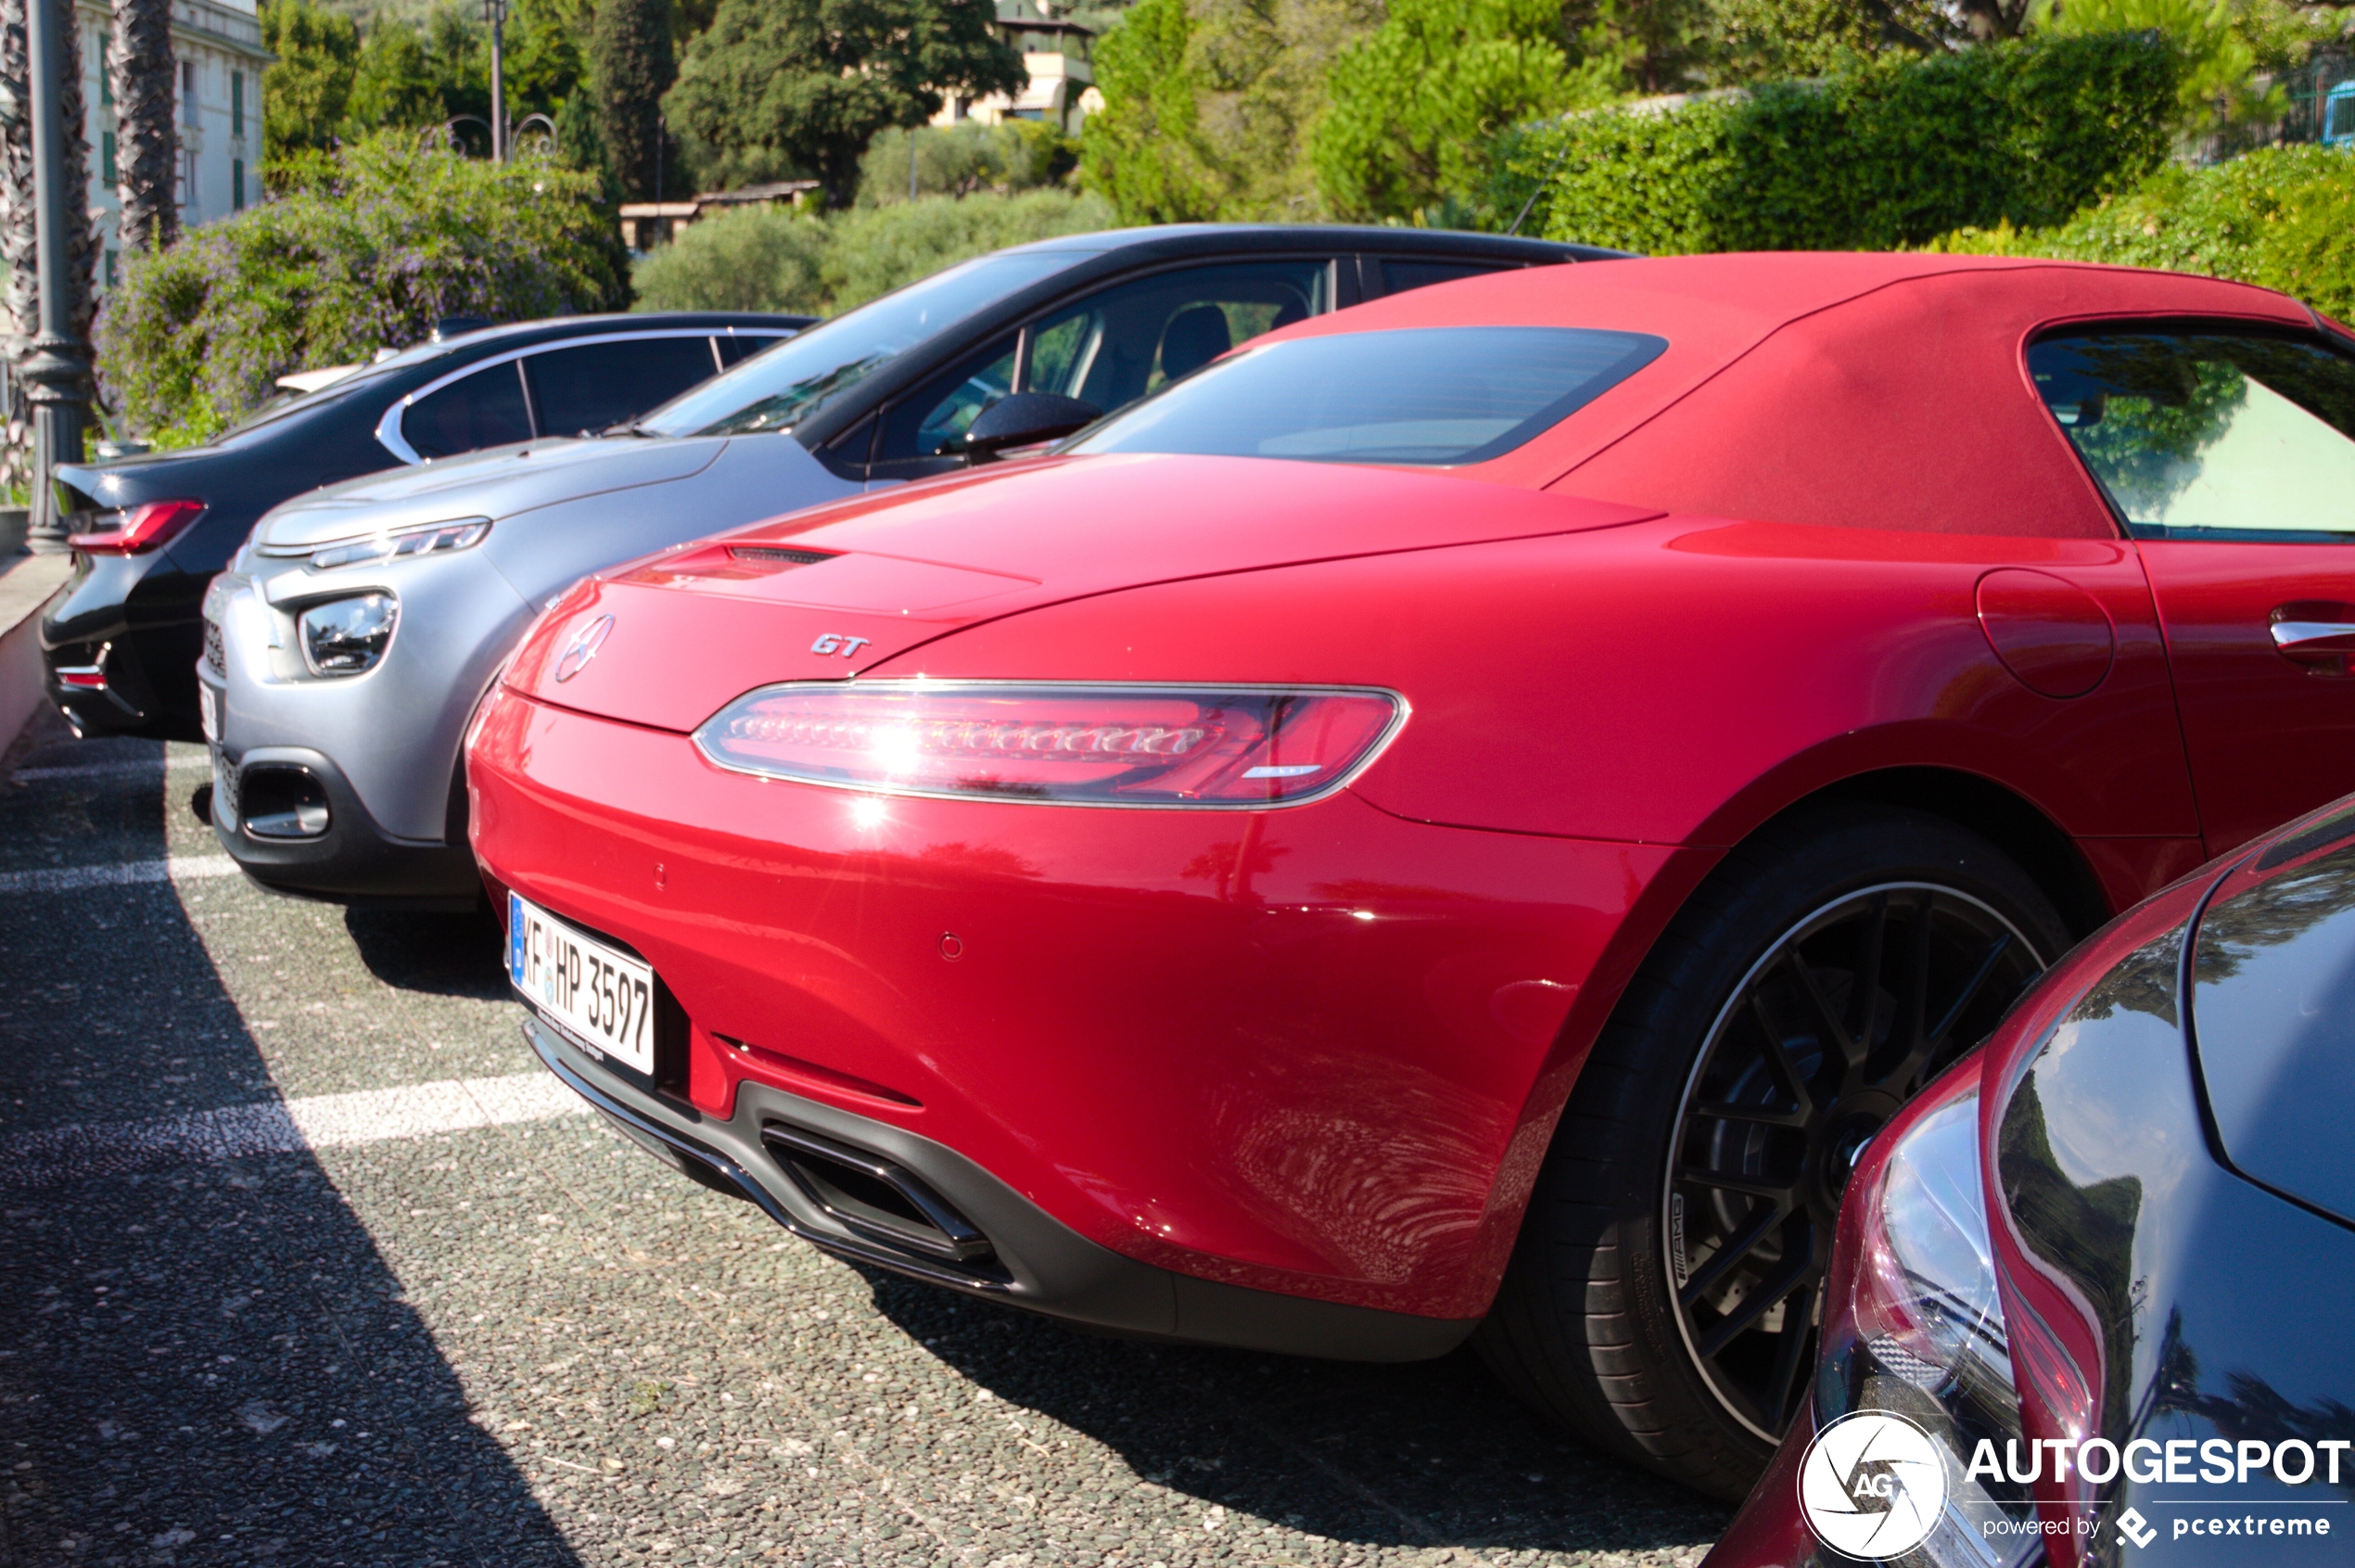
(2317, 634)
(2314, 636)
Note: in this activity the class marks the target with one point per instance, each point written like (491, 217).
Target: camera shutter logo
(1872, 1484)
(583, 648)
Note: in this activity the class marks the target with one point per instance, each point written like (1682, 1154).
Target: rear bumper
(140, 654)
(1312, 1052)
(1030, 1260)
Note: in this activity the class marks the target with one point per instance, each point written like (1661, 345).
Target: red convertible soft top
(1870, 390)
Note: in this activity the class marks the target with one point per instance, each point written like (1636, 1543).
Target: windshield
(777, 390)
(1430, 395)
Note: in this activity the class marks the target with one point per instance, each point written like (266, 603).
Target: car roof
(1185, 239)
(547, 329)
(1848, 389)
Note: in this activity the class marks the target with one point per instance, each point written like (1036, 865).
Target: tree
(1418, 105)
(139, 69)
(1210, 106)
(366, 247)
(814, 79)
(1145, 148)
(304, 92)
(396, 82)
(1780, 40)
(631, 66)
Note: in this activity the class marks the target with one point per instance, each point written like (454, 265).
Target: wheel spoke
(1970, 994)
(1914, 1000)
(1777, 1057)
(1762, 1116)
(1791, 1277)
(1864, 997)
(1733, 1252)
(1748, 1186)
(1821, 1005)
(1799, 1333)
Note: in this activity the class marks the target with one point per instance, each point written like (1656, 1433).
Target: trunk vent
(778, 554)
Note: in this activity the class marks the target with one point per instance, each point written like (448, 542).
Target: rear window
(1436, 395)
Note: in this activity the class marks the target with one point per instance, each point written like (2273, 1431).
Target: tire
(1620, 1282)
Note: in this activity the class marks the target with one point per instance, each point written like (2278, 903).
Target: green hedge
(365, 250)
(1892, 152)
(776, 260)
(2283, 217)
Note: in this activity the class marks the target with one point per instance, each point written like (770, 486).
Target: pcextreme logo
(1872, 1484)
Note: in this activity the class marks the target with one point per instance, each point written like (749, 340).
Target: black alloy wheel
(1664, 1294)
(1839, 1023)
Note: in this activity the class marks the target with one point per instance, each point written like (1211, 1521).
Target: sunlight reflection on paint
(868, 811)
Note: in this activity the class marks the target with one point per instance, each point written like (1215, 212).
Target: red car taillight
(1914, 1322)
(1067, 744)
(149, 526)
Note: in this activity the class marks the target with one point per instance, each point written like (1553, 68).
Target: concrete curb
(27, 585)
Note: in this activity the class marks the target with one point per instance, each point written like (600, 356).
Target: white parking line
(66, 879)
(90, 771)
(63, 1155)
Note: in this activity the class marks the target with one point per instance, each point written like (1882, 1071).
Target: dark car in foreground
(2100, 1270)
(150, 532)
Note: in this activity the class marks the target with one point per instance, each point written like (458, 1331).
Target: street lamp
(57, 370)
(496, 13)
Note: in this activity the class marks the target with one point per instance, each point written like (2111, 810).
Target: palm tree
(139, 63)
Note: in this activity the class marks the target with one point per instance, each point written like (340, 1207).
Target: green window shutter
(107, 174)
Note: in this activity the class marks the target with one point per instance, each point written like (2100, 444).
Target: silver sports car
(350, 641)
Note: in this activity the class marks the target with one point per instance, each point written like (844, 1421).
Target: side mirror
(1026, 419)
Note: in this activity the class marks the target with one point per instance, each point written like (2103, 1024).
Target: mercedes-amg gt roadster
(1463, 816)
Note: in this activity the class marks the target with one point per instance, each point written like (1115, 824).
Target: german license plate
(601, 996)
(209, 712)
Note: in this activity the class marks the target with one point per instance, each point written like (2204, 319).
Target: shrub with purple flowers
(361, 250)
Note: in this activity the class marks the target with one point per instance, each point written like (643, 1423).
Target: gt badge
(583, 647)
(832, 643)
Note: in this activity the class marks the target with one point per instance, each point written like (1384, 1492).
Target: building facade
(217, 53)
(1058, 55)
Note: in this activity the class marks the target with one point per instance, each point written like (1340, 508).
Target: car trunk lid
(826, 593)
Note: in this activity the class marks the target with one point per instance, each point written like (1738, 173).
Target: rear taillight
(149, 526)
(1066, 745)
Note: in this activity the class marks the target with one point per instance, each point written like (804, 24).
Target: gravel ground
(529, 1343)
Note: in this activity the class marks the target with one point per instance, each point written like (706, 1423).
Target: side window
(1398, 277)
(1115, 347)
(1110, 347)
(589, 387)
(484, 409)
(2208, 435)
(924, 431)
(741, 346)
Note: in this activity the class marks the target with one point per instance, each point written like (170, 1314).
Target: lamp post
(496, 13)
(57, 372)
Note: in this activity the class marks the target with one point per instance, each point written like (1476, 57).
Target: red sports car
(1462, 817)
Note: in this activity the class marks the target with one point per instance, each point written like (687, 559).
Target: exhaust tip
(875, 1199)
